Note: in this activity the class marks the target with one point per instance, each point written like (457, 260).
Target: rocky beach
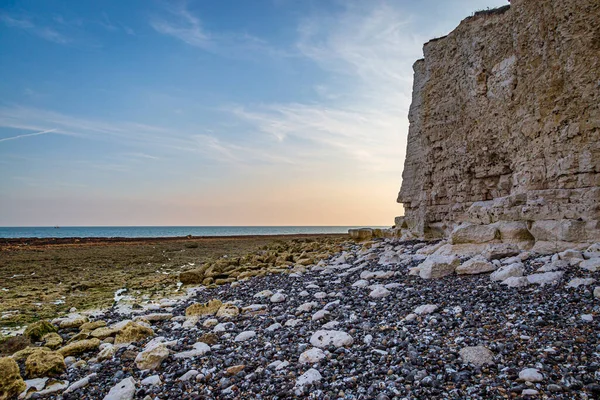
(487, 287)
(385, 318)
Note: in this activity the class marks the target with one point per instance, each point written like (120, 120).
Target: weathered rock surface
(504, 137)
(44, 363)
(11, 383)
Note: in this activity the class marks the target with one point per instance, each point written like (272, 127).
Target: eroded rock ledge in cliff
(504, 138)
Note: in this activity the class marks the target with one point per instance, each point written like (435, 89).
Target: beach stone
(52, 340)
(274, 327)
(155, 317)
(311, 356)
(530, 375)
(515, 282)
(547, 278)
(11, 383)
(576, 282)
(152, 380)
(244, 336)
(228, 310)
(263, 294)
(324, 338)
(211, 322)
(152, 358)
(198, 349)
(44, 363)
(81, 383)
(192, 373)
(201, 309)
(90, 326)
(320, 315)
(597, 292)
(507, 271)
(209, 338)
(361, 283)
(475, 265)
(39, 329)
(73, 321)
(437, 266)
(477, 355)
(425, 309)
(306, 307)
(104, 332)
(310, 377)
(223, 327)
(278, 298)
(234, 370)
(53, 387)
(133, 332)
(79, 347)
(587, 317)
(106, 353)
(379, 292)
(124, 390)
(592, 265)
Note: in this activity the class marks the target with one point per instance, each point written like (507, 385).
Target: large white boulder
(507, 271)
(470, 233)
(436, 266)
(475, 265)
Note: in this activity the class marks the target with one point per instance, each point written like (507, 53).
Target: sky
(229, 112)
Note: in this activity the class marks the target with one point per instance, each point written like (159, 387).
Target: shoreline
(45, 277)
(37, 241)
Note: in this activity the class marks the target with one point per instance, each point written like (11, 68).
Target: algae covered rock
(38, 329)
(52, 340)
(79, 347)
(11, 383)
(26, 352)
(90, 326)
(43, 363)
(133, 332)
(198, 309)
(104, 332)
(193, 277)
(228, 310)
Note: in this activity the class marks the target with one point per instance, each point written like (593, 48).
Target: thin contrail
(28, 134)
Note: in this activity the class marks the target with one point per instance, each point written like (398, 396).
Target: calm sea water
(164, 231)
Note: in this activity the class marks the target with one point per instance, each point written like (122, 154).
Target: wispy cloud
(368, 52)
(180, 23)
(27, 24)
(27, 135)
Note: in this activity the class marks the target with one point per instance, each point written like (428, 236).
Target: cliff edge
(504, 133)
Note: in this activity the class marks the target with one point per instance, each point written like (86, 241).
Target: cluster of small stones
(282, 257)
(381, 319)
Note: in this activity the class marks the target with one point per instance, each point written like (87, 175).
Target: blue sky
(229, 112)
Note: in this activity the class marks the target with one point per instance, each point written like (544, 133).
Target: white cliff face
(505, 127)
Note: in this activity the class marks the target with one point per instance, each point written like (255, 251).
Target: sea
(165, 231)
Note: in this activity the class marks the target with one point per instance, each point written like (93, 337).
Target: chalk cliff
(504, 130)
